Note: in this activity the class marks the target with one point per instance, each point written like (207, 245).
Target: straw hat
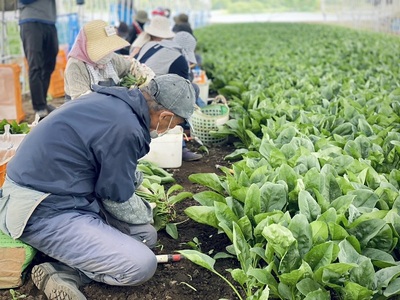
(141, 16)
(160, 27)
(101, 39)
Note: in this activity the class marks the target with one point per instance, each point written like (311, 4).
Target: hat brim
(102, 47)
(191, 57)
(156, 33)
(140, 20)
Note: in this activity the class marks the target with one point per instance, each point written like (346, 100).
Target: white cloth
(139, 42)
(97, 75)
(142, 72)
(17, 204)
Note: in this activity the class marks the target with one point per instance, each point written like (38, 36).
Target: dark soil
(175, 281)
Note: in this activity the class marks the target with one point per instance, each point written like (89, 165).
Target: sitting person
(182, 24)
(158, 29)
(188, 44)
(165, 56)
(92, 60)
(137, 27)
(123, 32)
(161, 53)
(70, 188)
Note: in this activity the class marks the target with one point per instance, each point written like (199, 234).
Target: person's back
(182, 27)
(92, 60)
(182, 24)
(164, 57)
(123, 32)
(137, 26)
(70, 189)
(75, 120)
(188, 44)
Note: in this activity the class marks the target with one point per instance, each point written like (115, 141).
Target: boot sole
(46, 279)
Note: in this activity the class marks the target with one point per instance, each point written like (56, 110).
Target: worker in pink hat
(93, 61)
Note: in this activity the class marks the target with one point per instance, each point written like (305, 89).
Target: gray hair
(151, 101)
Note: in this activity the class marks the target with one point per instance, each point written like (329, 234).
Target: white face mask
(154, 133)
(105, 60)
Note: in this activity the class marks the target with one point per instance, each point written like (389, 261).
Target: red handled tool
(168, 258)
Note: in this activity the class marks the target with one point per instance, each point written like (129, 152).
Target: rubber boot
(58, 281)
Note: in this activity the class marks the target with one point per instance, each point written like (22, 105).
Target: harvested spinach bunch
(15, 128)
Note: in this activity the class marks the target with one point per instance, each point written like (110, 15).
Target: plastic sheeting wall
(72, 16)
(375, 15)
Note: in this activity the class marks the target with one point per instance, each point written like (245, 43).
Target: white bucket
(166, 151)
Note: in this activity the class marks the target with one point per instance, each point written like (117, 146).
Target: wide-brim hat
(101, 39)
(188, 44)
(141, 16)
(160, 27)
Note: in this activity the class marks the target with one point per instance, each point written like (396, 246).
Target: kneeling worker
(70, 188)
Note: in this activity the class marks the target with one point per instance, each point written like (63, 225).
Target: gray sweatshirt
(42, 11)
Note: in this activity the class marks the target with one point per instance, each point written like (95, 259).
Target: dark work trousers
(40, 44)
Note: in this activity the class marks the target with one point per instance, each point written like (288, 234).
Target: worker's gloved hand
(133, 211)
(139, 178)
(142, 73)
(143, 189)
(153, 205)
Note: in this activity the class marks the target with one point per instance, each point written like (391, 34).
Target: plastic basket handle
(219, 99)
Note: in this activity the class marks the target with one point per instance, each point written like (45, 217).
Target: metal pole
(3, 30)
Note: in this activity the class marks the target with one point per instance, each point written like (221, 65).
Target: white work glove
(143, 189)
(142, 73)
(139, 178)
(153, 205)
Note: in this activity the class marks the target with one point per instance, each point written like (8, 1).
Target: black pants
(40, 44)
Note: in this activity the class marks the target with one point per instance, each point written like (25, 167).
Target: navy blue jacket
(86, 147)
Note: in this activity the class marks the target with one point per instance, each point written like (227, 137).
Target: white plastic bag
(7, 147)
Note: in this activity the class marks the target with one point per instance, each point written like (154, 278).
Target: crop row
(311, 202)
